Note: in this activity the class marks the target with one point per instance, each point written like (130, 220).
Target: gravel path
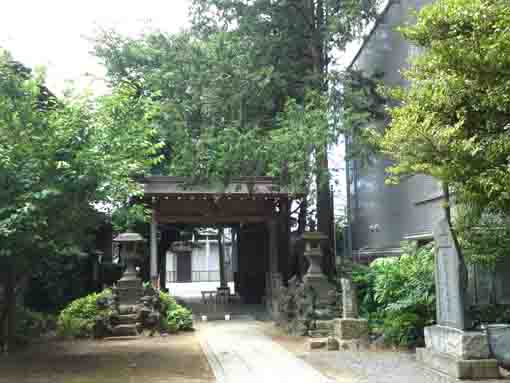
(361, 367)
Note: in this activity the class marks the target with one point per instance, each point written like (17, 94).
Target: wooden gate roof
(246, 199)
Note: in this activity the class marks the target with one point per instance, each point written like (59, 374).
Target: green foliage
(397, 295)
(59, 158)
(364, 278)
(363, 110)
(175, 317)
(484, 235)
(31, 324)
(452, 122)
(57, 280)
(179, 319)
(492, 313)
(79, 317)
(244, 92)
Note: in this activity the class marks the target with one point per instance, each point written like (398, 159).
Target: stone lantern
(129, 287)
(313, 253)
(314, 278)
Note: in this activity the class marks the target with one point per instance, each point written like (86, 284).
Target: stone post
(349, 299)
(449, 347)
(351, 331)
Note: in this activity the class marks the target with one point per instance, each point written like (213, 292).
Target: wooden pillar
(273, 246)
(154, 250)
(284, 239)
(223, 279)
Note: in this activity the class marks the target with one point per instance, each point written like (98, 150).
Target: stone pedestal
(129, 292)
(352, 333)
(457, 353)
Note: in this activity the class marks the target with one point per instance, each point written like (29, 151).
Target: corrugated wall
(383, 215)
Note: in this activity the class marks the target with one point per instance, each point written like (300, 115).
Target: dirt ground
(170, 359)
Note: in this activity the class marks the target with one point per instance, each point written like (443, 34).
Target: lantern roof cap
(129, 237)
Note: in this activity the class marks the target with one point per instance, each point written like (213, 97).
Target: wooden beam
(212, 220)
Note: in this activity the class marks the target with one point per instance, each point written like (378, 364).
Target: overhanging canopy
(243, 200)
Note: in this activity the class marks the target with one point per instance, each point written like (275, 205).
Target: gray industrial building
(384, 215)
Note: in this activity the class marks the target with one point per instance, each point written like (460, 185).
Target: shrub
(180, 319)
(79, 317)
(175, 317)
(397, 295)
(31, 324)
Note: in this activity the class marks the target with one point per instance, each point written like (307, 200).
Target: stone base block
(325, 325)
(126, 330)
(321, 287)
(317, 343)
(458, 368)
(323, 344)
(127, 309)
(353, 345)
(319, 333)
(333, 344)
(128, 318)
(130, 283)
(459, 344)
(351, 329)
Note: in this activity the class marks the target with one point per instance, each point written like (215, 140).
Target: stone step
(319, 333)
(128, 319)
(458, 368)
(117, 338)
(325, 324)
(129, 284)
(323, 344)
(221, 316)
(127, 309)
(126, 330)
(317, 343)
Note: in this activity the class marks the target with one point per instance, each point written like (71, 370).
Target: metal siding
(382, 215)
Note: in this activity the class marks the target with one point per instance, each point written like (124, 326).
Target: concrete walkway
(239, 352)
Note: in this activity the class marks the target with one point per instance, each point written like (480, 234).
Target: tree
(453, 120)
(59, 160)
(243, 86)
(297, 39)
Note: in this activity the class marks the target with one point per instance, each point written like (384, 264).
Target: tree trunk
(324, 213)
(10, 317)
(325, 216)
(3, 327)
(303, 212)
